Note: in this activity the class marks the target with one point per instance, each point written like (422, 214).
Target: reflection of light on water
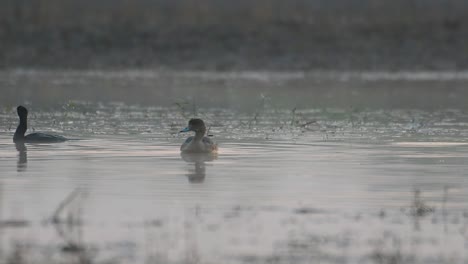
(262, 75)
(429, 144)
(343, 190)
(395, 76)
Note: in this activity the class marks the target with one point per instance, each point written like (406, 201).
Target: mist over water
(245, 90)
(342, 129)
(294, 181)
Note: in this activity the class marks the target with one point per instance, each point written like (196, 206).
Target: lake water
(289, 184)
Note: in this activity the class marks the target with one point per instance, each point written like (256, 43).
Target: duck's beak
(187, 129)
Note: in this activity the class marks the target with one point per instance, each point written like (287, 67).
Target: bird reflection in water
(198, 173)
(22, 156)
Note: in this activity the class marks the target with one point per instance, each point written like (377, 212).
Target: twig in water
(308, 123)
(293, 119)
(69, 231)
(56, 215)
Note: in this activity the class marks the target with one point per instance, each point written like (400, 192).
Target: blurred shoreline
(219, 35)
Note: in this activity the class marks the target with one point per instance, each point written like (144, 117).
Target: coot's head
(22, 111)
(196, 125)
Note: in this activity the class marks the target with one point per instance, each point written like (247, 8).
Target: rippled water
(288, 186)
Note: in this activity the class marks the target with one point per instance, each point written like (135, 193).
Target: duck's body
(204, 145)
(33, 137)
(198, 143)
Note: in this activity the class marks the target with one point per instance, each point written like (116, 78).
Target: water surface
(287, 186)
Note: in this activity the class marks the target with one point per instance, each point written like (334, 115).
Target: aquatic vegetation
(266, 120)
(183, 107)
(419, 208)
(291, 185)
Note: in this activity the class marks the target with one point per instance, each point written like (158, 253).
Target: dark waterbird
(198, 143)
(33, 137)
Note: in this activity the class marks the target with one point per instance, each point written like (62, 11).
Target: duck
(198, 143)
(20, 136)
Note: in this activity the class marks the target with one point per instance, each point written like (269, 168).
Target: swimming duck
(33, 137)
(198, 143)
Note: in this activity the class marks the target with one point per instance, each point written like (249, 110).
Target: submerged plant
(184, 108)
(419, 207)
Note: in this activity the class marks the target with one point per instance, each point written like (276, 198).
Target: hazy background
(342, 128)
(301, 53)
(235, 35)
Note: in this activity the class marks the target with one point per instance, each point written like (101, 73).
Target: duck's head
(196, 125)
(22, 111)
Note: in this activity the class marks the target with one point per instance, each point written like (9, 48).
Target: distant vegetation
(244, 34)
